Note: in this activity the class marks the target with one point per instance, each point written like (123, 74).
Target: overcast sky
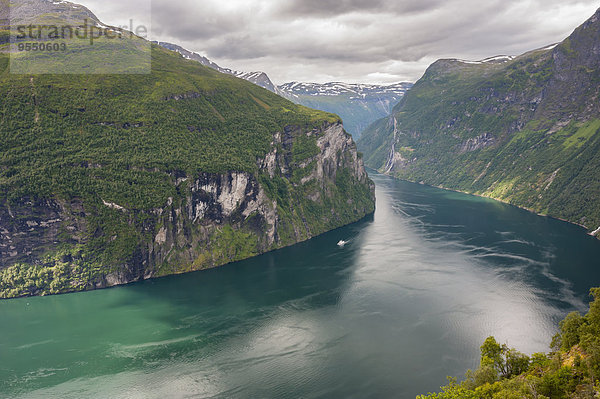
(368, 41)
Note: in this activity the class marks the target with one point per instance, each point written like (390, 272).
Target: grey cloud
(359, 40)
(193, 21)
(242, 46)
(329, 8)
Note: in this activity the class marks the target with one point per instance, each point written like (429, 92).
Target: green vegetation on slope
(571, 370)
(65, 270)
(109, 136)
(118, 152)
(121, 138)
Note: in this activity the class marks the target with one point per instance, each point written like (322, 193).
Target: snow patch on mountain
(497, 60)
(355, 91)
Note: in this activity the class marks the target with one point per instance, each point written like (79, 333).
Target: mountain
(357, 104)
(524, 130)
(26, 11)
(108, 178)
(258, 78)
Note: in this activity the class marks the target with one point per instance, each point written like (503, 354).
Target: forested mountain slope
(523, 130)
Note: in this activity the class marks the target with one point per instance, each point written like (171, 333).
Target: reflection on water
(406, 302)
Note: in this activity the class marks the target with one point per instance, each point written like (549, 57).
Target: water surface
(408, 301)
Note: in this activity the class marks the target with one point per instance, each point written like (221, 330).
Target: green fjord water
(406, 302)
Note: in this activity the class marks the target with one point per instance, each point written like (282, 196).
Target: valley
(217, 234)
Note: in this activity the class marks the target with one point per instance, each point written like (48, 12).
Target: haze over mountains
(357, 104)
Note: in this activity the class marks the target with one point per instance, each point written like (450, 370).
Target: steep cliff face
(523, 129)
(30, 228)
(311, 181)
(235, 215)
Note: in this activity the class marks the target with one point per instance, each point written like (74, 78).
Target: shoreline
(364, 219)
(593, 233)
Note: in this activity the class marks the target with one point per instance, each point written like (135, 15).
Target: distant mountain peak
(259, 78)
(358, 104)
(29, 11)
(497, 59)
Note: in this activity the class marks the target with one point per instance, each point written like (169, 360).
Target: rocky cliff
(215, 218)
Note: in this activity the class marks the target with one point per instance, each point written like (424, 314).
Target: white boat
(341, 243)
